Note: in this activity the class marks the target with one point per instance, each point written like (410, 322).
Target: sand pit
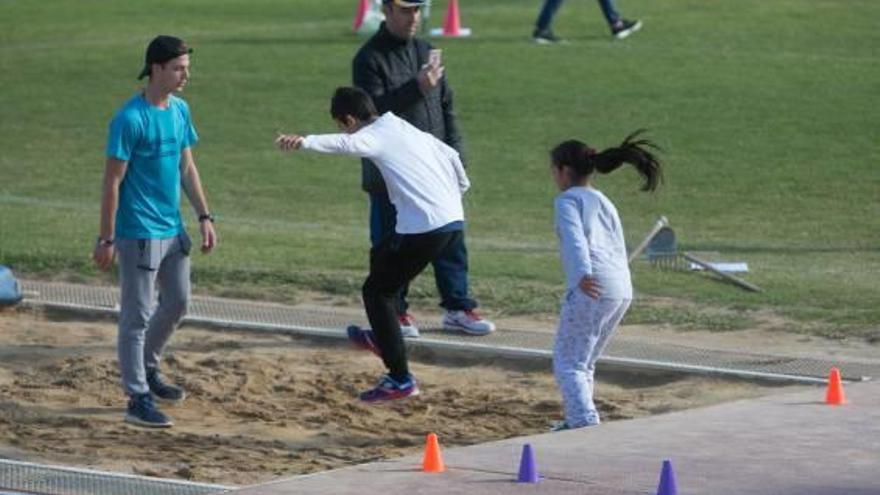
(264, 406)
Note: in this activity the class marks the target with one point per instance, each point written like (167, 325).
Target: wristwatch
(105, 242)
(206, 217)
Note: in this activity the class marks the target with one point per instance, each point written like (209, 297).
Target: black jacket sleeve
(370, 76)
(453, 136)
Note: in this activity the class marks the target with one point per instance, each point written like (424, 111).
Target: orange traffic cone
(363, 8)
(834, 395)
(452, 24)
(433, 461)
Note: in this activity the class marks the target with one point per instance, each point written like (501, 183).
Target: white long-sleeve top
(424, 176)
(591, 241)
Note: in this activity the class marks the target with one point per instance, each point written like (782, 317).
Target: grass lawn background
(767, 112)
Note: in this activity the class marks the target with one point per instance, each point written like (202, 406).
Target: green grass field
(768, 112)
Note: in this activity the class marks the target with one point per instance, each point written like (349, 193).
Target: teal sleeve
(122, 138)
(190, 136)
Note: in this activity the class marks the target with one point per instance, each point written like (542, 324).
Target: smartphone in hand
(435, 57)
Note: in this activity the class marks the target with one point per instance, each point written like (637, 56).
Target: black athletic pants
(394, 263)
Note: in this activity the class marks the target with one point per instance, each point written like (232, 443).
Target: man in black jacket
(404, 75)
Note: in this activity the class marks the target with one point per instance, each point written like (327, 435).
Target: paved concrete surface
(789, 444)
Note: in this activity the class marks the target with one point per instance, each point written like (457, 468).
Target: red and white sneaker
(408, 326)
(390, 389)
(467, 321)
(363, 339)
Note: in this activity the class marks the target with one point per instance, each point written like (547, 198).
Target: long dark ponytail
(584, 160)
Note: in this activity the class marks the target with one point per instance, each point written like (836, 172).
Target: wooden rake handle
(661, 222)
(736, 280)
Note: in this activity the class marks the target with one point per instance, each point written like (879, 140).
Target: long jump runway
(790, 444)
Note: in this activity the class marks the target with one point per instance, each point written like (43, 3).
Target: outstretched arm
(357, 144)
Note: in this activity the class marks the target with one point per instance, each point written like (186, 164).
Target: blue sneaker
(142, 411)
(363, 339)
(390, 389)
(164, 392)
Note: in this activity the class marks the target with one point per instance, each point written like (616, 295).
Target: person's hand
(209, 236)
(289, 142)
(429, 77)
(103, 255)
(590, 287)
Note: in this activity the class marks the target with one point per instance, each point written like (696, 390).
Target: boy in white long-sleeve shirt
(425, 180)
(593, 256)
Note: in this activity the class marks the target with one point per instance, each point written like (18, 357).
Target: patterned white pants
(585, 326)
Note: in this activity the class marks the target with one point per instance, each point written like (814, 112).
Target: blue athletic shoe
(363, 339)
(390, 389)
(164, 392)
(142, 411)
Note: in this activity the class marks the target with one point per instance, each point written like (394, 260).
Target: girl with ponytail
(594, 259)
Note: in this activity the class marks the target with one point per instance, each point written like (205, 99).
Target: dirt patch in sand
(263, 406)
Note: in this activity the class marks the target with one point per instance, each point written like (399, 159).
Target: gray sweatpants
(146, 265)
(585, 327)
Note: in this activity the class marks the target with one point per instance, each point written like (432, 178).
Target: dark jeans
(393, 264)
(545, 18)
(450, 267)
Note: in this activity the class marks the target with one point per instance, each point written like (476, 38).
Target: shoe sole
(169, 402)
(548, 42)
(623, 34)
(454, 327)
(388, 401)
(134, 420)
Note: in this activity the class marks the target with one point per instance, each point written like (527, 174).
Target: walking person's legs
(174, 294)
(137, 285)
(547, 13)
(138, 268)
(609, 10)
(620, 27)
(543, 33)
(451, 275)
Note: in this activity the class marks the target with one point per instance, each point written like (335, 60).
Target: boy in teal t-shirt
(149, 160)
(151, 140)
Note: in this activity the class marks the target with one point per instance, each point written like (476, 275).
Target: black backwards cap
(162, 49)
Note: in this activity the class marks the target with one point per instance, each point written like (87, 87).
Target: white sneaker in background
(468, 322)
(408, 326)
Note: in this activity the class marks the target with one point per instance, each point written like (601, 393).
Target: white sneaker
(408, 326)
(468, 322)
